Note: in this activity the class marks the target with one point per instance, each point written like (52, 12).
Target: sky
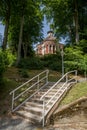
(1, 33)
(45, 30)
(46, 27)
(1, 29)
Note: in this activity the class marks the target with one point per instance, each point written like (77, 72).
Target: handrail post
(47, 76)
(12, 101)
(76, 75)
(43, 114)
(66, 77)
(38, 81)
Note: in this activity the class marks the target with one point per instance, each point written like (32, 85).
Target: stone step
(34, 104)
(43, 90)
(31, 117)
(36, 100)
(34, 110)
(49, 96)
(51, 93)
(50, 83)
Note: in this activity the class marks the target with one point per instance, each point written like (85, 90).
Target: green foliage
(6, 60)
(3, 64)
(10, 57)
(31, 31)
(83, 45)
(52, 62)
(24, 73)
(31, 63)
(63, 13)
(75, 59)
(83, 63)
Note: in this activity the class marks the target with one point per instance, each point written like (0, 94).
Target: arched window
(53, 48)
(50, 48)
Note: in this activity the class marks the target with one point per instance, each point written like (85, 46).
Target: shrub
(31, 63)
(3, 64)
(55, 66)
(24, 73)
(52, 61)
(10, 57)
(6, 59)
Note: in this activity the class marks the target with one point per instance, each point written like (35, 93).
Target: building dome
(50, 33)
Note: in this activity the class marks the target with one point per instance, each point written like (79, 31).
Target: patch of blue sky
(1, 29)
(46, 28)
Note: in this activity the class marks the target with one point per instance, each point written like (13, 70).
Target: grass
(14, 74)
(77, 91)
(6, 87)
(5, 97)
(12, 80)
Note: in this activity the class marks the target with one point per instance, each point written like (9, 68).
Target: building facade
(48, 46)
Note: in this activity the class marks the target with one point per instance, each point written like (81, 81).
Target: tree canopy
(69, 18)
(23, 22)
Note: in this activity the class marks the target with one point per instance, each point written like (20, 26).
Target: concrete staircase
(42, 102)
(33, 109)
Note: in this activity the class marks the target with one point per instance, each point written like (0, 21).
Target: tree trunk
(25, 48)
(76, 22)
(70, 34)
(4, 45)
(20, 40)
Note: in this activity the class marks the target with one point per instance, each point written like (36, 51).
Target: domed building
(49, 45)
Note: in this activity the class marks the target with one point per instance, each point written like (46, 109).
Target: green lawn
(77, 91)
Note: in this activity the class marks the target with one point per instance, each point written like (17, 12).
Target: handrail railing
(66, 80)
(43, 76)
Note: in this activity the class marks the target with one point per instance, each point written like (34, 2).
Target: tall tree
(27, 26)
(76, 21)
(5, 13)
(66, 16)
(22, 7)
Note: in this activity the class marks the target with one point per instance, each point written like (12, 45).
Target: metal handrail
(55, 94)
(43, 97)
(27, 89)
(28, 81)
(58, 83)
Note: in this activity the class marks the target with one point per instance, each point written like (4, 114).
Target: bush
(31, 63)
(6, 59)
(10, 57)
(52, 61)
(75, 59)
(55, 66)
(3, 64)
(24, 73)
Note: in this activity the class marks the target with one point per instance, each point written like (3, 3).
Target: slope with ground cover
(12, 79)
